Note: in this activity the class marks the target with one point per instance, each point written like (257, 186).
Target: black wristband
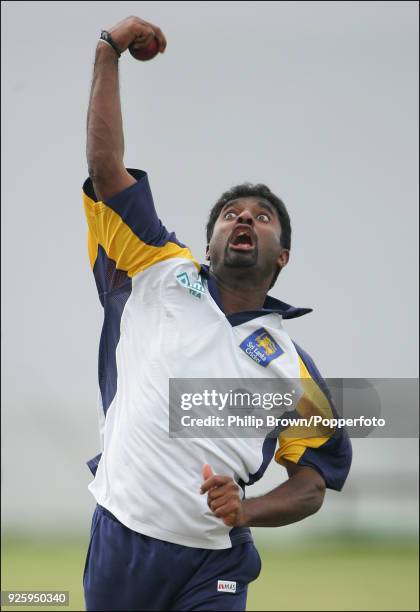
(106, 36)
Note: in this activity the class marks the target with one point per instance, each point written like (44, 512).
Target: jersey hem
(162, 534)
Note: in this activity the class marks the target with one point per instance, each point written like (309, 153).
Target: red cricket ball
(144, 53)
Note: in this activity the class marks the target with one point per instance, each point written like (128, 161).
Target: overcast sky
(319, 100)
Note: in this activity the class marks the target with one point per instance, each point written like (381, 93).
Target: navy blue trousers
(126, 570)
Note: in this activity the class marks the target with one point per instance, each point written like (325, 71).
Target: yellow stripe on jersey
(294, 440)
(130, 253)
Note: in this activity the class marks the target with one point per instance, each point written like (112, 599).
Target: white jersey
(163, 320)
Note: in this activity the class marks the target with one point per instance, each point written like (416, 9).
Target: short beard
(239, 261)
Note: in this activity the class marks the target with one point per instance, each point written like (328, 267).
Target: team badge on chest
(261, 347)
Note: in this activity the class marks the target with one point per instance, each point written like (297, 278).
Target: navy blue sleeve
(126, 235)
(333, 458)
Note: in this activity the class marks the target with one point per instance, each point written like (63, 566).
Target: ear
(283, 258)
(207, 253)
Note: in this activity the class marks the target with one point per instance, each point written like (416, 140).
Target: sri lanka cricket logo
(261, 347)
(265, 342)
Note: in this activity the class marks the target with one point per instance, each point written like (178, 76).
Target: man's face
(246, 236)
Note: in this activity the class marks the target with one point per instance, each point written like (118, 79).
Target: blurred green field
(344, 574)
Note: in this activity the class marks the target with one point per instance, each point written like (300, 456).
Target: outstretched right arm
(105, 138)
(125, 236)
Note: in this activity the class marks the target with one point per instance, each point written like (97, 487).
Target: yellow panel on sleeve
(292, 449)
(296, 439)
(120, 243)
(89, 206)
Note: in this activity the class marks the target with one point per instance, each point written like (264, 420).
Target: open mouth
(242, 240)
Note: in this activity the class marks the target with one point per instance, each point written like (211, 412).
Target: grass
(346, 574)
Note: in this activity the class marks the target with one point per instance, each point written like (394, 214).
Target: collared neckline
(271, 304)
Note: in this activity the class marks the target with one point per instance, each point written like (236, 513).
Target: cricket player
(171, 529)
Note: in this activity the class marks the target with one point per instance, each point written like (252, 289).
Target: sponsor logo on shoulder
(227, 586)
(261, 347)
(195, 286)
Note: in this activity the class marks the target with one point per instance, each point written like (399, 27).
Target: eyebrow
(262, 203)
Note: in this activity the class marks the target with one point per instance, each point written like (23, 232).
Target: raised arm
(105, 138)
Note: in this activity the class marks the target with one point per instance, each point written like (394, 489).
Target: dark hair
(246, 190)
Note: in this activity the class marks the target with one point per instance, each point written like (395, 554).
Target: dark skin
(242, 266)
(300, 496)
(244, 271)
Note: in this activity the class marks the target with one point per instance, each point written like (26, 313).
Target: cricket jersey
(163, 320)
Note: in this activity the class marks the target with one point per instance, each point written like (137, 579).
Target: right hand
(135, 30)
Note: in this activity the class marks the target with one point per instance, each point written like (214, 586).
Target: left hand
(223, 497)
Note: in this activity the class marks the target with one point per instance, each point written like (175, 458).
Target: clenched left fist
(223, 497)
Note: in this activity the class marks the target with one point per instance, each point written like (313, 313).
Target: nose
(245, 217)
